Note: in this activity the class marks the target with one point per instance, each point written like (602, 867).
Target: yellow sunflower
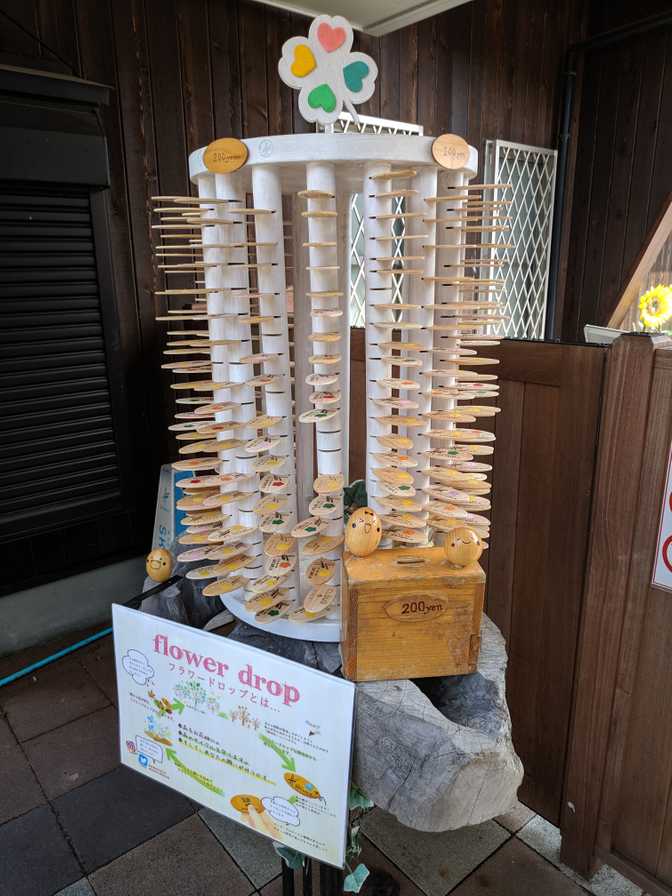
(655, 306)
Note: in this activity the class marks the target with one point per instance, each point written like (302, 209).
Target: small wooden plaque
(407, 614)
(225, 155)
(450, 151)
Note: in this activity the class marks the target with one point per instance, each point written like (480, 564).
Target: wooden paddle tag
(263, 617)
(308, 527)
(321, 544)
(326, 506)
(328, 483)
(274, 485)
(408, 535)
(275, 522)
(270, 504)
(264, 584)
(268, 462)
(319, 598)
(322, 379)
(224, 586)
(281, 565)
(277, 545)
(265, 601)
(263, 443)
(320, 571)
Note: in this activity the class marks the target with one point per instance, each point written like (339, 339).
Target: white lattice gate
(531, 172)
(371, 125)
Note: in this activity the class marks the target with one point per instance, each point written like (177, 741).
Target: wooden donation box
(406, 613)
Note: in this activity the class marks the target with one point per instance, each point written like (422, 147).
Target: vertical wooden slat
(528, 639)
(252, 45)
(278, 30)
(389, 78)
(408, 73)
(428, 83)
(621, 182)
(137, 120)
(628, 378)
(225, 68)
(166, 80)
(192, 31)
(505, 484)
(57, 28)
(639, 762)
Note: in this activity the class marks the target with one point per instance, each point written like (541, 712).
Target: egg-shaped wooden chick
(462, 546)
(159, 564)
(363, 532)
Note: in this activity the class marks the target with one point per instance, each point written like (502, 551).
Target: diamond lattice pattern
(371, 125)
(525, 249)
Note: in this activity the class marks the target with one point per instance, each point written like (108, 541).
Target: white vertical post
(267, 194)
(378, 290)
(325, 277)
(421, 291)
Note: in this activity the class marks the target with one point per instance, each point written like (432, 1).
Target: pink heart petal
(330, 38)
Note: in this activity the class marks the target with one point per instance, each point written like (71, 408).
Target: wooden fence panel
(619, 778)
(544, 464)
(544, 461)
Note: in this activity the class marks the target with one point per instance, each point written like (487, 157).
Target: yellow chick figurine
(363, 532)
(159, 564)
(462, 546)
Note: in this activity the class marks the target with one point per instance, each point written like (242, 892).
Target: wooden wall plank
(624, 137)
(194, 45)
(225, 69)
(280, 99)
(408, 73)
(389, 76)
(505, 485)
(166, 79)
(628, 377)
(252, 43)
(137, 121)
(635, 807)
(58, 29)
(611, 277)
(526, 689)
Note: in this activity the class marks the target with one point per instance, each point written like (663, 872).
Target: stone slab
(36, 857)
(116, 812)
(435, 862)
(183, 861)
(49, 698)
(252, 853)
(75, 753)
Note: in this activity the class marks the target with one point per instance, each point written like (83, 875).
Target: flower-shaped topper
(326, 72)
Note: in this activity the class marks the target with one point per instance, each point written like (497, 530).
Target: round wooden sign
(450, 151)
(225, 155)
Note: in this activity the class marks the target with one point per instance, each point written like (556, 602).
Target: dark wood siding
(185, 71)
(623, 175)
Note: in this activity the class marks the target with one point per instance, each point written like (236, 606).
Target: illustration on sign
(260, 739)
(662, 569)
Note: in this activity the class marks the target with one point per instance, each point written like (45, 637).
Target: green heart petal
(322, 97)
(354, 75)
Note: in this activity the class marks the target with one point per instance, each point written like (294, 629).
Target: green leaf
(293, 799)
(290, 857)
(178, 706)
(354, 881)
(287, 761)
(357, 799)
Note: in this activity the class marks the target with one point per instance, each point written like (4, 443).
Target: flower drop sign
(328, 74)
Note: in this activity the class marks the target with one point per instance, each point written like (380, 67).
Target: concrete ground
(74, 822)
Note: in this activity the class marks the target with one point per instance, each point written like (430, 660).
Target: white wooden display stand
(321, 171)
